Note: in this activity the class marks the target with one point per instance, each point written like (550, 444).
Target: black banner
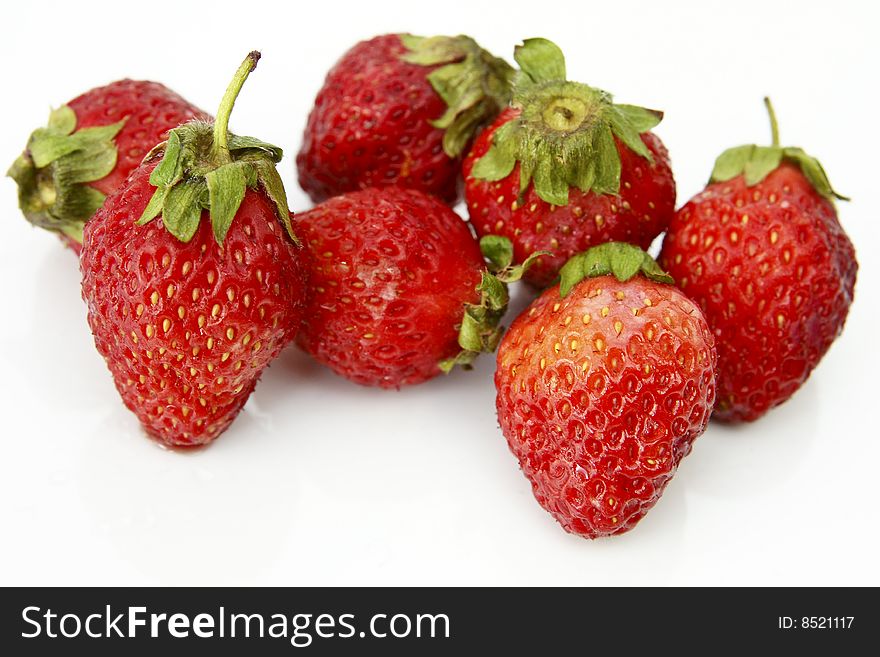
(421, 621)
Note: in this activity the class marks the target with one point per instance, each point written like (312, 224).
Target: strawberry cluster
(196, 274)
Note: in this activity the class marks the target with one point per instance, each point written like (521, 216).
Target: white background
(323, 482)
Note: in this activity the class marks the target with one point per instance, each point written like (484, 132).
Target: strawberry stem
(220, 149)
(774, 127)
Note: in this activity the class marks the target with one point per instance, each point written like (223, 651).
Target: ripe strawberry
(564, 168)
(400, 290)
(399, 110)
(763, 254)
(89, 148)
(187, 310)
(604, 383)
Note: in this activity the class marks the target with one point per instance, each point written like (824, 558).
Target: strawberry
(400, 290)
(763, 254)
(192, 277)
(89, 148)
(564, 168)
(400, 110)
(603, 384)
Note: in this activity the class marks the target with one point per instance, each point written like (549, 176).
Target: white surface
(323, 482)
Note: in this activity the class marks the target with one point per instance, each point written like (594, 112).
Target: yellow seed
(543, 364)
(224, 357)
(185, 410)
(618, 326)
(220, 380)
(142, 378)
(246, 339)
(211, 277)
(210, 343)
(774, 237)
(605, 311)
(599, 344)
(586, 318)
(150, 330)
(574, 345)
(192, 371)
(187, 268)
(230, 294)
(247, 300)
(230, 333)
(196, 350)
(368, 336)
(202, 321)
(215, 310)
(166, 260)
(257, 346)
(139, 310)
(166, 325)
(620, 295)
(181, 312)
(154, 298)
(210, 367)
(556, 306)
(170, 291)
(557, 347)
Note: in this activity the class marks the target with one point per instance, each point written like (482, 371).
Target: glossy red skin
(370, 127)
(391, 271)
(774, 273)
(150, 110)
(640, 212)
(244, 300)
(600, 414)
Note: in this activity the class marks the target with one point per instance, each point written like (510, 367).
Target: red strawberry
(399, 110)
(603, 383)
(762, 252)
(188, 310)
(400, 291)
(89, 148)
(564, 168)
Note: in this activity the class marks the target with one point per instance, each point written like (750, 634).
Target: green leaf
(541, 60)
(268, 175)
(496, 164)
(550, 187)
(474, 85)
(498, 250)
(570, 274)
(731, 163)
(494, 291)
(62, 120)
(619, 259)
(763, 160)
(154, 207)
(641, 118)
(170, 169)
(625, 130)
(814, 172)
(605, 162)
(93, 162)
(469, 336)
(226, 189)
(238, 143)
(182, 210)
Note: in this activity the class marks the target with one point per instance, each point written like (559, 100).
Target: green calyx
(54, 171)
(755, 163)
(480, 331)
(204, 167)
(474, 84)
(565, 133)
(618, 259)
